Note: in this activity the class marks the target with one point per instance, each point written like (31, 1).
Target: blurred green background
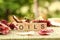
(25, 8)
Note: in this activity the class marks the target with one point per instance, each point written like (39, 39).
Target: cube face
(21, 26)
(31, 26)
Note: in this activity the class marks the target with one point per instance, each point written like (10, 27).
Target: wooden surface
(13, 35)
